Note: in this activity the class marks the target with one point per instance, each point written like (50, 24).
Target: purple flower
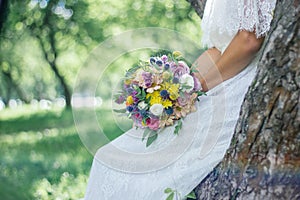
(121, 99)
(147, 76)
(180, 69)
(197, 84)
(129, 90)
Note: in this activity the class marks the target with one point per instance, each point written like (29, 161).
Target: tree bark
(263, 160)
(198, 5)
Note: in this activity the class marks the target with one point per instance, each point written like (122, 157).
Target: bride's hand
(205, 62)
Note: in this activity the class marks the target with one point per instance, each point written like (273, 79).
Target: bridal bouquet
(159, 93)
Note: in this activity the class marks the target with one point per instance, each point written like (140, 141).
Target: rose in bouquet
(159, 93)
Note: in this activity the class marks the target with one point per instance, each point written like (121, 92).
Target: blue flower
(129, 108)
(167, 66)
(152, 60)
(169, 110)
(130, 90)
(175, 80)
(164, 94)
(143, 112)
(159, 63)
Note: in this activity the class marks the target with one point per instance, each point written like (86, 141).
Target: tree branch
(198, 5)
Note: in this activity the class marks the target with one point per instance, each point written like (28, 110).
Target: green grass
(42, 156)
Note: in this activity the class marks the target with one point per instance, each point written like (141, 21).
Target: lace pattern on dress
(226, 17)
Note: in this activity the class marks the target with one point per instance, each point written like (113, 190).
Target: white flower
(152, 89)
(142, 105)
(187, 81)
(156, 109)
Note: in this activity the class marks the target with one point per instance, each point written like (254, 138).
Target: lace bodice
(222, 19)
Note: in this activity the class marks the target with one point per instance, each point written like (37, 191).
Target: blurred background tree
(44, 42)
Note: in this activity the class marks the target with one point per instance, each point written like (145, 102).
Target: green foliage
(178, 127)
(34, 36)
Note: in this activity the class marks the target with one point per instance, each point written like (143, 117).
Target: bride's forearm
(237, 56)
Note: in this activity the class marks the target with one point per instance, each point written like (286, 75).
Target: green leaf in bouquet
(191, 195)
(147, 100)
(178, 127)
(146, 133)
(151, 138)
(200, 93)
(168, 190)
(186, 87)
(132, 70)
(143, 94)
(194, 70)
(120, 110)
(171, 196)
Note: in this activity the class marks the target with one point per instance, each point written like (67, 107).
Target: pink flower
(180, 69)
(182, 101)
(153, 123)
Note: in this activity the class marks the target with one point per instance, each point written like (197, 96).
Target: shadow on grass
(37, 121)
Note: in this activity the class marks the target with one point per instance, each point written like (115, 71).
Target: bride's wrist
(203, 86)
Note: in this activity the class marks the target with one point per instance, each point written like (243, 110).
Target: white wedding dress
(126, 169)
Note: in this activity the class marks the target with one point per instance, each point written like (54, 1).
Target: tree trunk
(12, 84)
(3, 12)
(52, 61)
(263, 160)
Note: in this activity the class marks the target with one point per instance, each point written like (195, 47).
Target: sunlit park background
(43, 45)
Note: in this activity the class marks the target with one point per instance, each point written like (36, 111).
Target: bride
(233, 31)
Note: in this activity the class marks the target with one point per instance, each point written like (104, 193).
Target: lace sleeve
(222, 19)
(256, 15)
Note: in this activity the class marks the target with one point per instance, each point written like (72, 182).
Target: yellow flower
(143, 123)
(166, 75)
(167, 103)
(173, 90)
(177, 54)
(129, 100)
(128, 81)
(155, 98)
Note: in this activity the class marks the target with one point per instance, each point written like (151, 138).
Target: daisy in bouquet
(159, 93)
